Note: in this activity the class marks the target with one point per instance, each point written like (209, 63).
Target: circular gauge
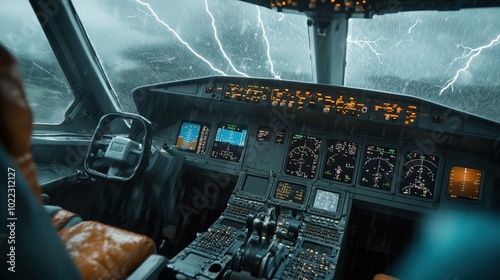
(303, 156)
(378, 167)
(419, 176)
(340, 160)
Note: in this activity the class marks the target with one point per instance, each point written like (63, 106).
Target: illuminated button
(326, 110)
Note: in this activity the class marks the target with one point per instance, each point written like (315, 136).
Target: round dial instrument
(378, 167)
(302, 159)
(419, 174)
(340, 160)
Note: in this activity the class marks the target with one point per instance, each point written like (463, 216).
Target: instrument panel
(303, 154)
(412, 174)
(375, 143)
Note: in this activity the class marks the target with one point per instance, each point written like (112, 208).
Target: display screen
(419, 174)
(290, 192)
(340, 161)
(229, 141)
(464, 182)
(302, 159)
(327, 201)
(280, 136)
(378, 168)
(193, 137)
(232, 223)
(264, 134)
(320, 248)
(255, 185)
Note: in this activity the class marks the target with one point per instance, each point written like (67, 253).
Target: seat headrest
(16, 119)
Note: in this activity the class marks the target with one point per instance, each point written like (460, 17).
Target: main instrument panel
(303, 153)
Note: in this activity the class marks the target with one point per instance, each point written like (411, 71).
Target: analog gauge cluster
(419, 175)
(303, 155)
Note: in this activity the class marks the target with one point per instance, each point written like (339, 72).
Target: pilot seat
(49, 242)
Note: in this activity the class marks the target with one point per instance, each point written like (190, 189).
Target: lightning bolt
(370, 44)
(469, 53)
(48, 73)
(219, 43)
(179, 38)
(415, 24)
(276, 76)
(282, 16)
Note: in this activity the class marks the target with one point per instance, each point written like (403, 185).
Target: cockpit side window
(48, 91)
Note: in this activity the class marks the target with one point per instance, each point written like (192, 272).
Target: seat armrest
(150, 268)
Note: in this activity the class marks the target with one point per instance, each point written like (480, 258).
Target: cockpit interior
(315, 171)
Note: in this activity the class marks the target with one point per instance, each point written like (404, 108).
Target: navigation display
(419, 174)
(464, 182)
(255, 185)
(290, 192)
(340, 161)
(378, 168)
(193, 137)
(327, 201)
(229, 141)
(303, 155)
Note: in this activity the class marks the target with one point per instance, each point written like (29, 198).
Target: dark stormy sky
(417, 53)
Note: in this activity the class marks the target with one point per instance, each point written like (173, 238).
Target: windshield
(450, 58)
(145, 42)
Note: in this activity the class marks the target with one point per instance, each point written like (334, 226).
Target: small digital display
(255, 185)
(378, 168)
(327, 201)
(419, 174)
(264, 134)
(229, 142)
(193, 137)
(290, 192)
(320, 248)
(302, 159)
(340, 161)
(280, 136)
(464, 182)
(232, 223)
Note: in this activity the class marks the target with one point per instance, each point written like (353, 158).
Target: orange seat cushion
(105, 252)
(61, 218)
